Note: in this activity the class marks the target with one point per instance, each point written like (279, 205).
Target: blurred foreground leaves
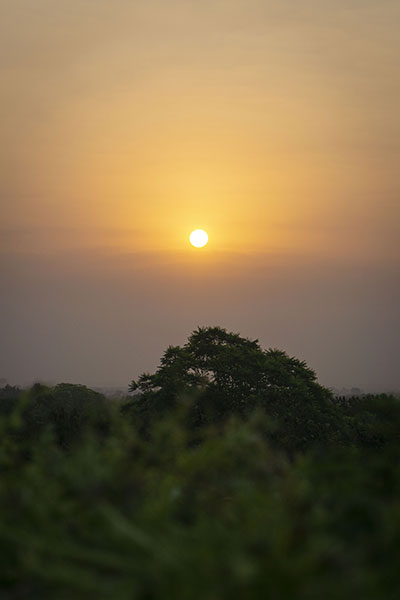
(93, 504)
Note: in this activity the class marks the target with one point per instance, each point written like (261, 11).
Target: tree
(224, 374)
(69, 409)
(9, 396)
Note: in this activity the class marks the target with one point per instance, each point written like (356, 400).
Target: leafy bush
(67, 409)
(122, 517)
(280, 491)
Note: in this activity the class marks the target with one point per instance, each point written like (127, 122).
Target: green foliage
(9, 396)
(372, 421)
(66, 408)
(121, 517)
(230, 473)
(224, 374)
(214, 359)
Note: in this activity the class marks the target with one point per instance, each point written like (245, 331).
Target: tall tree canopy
(223, 373)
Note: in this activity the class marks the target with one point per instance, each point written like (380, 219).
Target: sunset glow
(127, 125)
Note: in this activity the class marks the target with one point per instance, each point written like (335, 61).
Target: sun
(198, 238)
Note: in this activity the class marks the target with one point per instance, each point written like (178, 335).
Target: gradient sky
(272, 124)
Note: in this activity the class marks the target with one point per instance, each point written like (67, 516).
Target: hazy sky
(272, 124)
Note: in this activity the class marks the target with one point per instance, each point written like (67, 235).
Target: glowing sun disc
(198, 238)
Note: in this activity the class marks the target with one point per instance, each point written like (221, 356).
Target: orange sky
(271, 124)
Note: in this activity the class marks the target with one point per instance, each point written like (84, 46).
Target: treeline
(228, 473)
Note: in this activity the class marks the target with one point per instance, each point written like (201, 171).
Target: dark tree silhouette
(68, 409)
(223, 373)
